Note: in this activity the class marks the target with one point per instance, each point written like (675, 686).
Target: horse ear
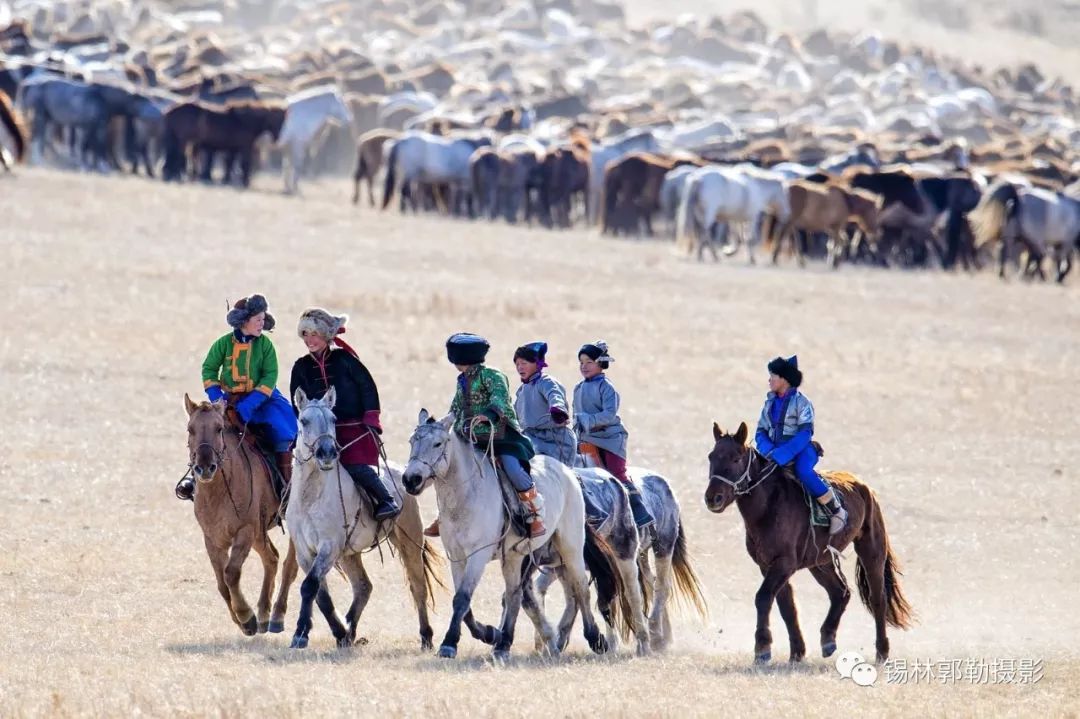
(424, 416)
(220, 405)
(188, 404)
(717, 433)
(447, 422)
(300, 398)
(742, 434)
(330, 398)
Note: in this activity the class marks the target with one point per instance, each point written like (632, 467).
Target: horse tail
(601, 562)
(14, 125)
(687, 585)
(433, 568)
(1000, 204)
(898, 611)
(683, 218)
(391, 175)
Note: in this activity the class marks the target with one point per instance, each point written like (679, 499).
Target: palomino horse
(781, 539)
(674, 572)
(1041, 219)
(475, 530)
(331, 523)
(308, 112)
(234, 505)
(827, 208)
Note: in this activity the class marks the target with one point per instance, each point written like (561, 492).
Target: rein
(222, 457)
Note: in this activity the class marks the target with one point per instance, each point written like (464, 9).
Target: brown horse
(827, 208)
(369, 159)
(565, 172)
(232, 128)
(780, 538)
(631, 190)
(235, 505)
(12, 131)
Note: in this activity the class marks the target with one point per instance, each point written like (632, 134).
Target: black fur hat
(466, 348)
(598, 352)
(245, 309)
(788, 369)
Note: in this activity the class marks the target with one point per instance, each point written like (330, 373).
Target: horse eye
(190, 431)
(438, 444)
(304, 422)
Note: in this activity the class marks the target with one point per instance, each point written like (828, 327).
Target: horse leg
(413, 558)
(515, 575)
(288, 575)
(838, 600)
(871, 555)
(466, 577)
(546, 639)
(578, 581)
(658, 618)
(353, 567)
(326, 606)
(543, 583)
(238, 553)
(319, 565)
(776, 576)
(218, 558)
(785, 600)
(269, 555)
(628, 568)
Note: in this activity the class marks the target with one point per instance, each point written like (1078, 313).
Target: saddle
(593, 491)
(518, 515)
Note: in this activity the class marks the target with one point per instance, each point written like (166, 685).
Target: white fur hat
(321, 322)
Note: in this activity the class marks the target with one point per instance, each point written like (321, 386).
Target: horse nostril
(212, 470)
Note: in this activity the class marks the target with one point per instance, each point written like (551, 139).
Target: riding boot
(284, 465)
(185, 489)
(642, 516)
(432, 529)
(369, 482)
(533, 503)
(838, 516)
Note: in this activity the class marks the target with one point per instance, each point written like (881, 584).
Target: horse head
(728, 462)
(429, 452)
(206, 437)
(318, 433)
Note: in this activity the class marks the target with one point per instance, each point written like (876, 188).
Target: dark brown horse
(780, 538)
(631, 191)
(565, 173)
(235, 504)
(232, 128)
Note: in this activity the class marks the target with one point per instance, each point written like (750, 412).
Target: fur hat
(245, 309)
(318, 321)
(788, 369)
(597, 352)
(466, 348)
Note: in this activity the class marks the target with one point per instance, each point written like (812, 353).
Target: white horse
(726, 195)
(330, 523)
(475, 530)
(419, 156)
(308, 112)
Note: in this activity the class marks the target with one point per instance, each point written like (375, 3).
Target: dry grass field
(950, 395)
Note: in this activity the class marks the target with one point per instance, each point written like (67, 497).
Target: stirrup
(838, 521)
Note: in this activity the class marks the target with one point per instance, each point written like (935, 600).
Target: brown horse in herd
(232, 128)
(782, 540)
(235, 505)
(12, 131)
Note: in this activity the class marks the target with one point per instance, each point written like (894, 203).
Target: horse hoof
(344, 642)
(828, 649)
(275, 627)
(643, 649)
(263, 627)
(299, 643)
(600, 646)
(501, 656)
(763, 657)
(426, 645)
(492, 636)
(250, 627)
(446, 652)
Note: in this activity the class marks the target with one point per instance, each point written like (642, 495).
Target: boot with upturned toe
(838, 516)
(432, 530)
(368, 481)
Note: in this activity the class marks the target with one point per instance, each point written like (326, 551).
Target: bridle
(743, 485)
(413, 457)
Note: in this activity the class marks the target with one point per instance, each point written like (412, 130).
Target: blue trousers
(804, 470)
(277, 414)
(518, 476)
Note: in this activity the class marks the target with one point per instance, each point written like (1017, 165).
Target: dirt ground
(947, 394)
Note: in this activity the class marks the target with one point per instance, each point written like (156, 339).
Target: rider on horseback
(242, 366)
(784, 433)
(357, 405)
(541, 405)
(483, 413)
(599, 429)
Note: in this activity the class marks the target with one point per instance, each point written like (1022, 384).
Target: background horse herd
(845, 148)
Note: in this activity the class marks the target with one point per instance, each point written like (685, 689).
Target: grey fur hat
(245, 309)
(321, 322)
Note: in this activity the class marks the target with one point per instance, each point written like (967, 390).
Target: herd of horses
(635, 575)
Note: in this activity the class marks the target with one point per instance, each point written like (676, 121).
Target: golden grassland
(950, 395)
